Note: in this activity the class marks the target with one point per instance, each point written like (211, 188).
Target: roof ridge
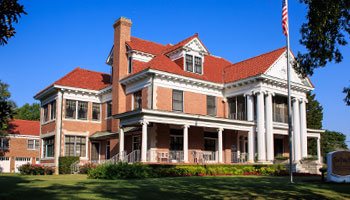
(260, 55)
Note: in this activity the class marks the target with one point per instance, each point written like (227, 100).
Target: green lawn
(233, 187)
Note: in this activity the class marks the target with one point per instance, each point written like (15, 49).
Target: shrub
(65, 163)
(29, 169)
(281, 157)
(120, 171)
(126, 171)
(310, 158)
(84, 169)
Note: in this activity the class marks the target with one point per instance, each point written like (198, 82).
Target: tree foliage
(6, 108)
(28, 112)
(10, 12)
(314, 112)
(328, 24)
(347, 97)
(332, 141)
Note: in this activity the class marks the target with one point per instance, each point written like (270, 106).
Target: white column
(58, 136)
(269, 127)
(296, 130)
(144, 141)
(121, 143)
(250, 107)
(185, 143)
(319, 150)
(220, 145)
(251, 146)
(260, 115)
(303, 129)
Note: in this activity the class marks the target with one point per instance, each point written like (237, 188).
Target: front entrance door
(278, 146)
(95, 151)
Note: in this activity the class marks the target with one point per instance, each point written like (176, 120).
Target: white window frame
(193, 63)
(92, 110)
(2, 143)
(75, 136)
(183, 101)
(35, 141)
(76, 110)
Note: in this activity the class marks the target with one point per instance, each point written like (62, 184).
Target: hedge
(30, 169)
(128, 171)
(65, 163)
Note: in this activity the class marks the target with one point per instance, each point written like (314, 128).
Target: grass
(229, 187)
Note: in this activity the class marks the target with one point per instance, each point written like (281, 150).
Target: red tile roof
(25, 127)
(145, 46)
(181, 43)
(252, 66)
(212, 67)
(86, 79)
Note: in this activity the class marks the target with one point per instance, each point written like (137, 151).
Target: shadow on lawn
(168, 188)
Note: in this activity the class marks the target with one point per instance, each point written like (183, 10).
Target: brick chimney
(122, 32)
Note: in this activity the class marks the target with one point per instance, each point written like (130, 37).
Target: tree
(332, 141)
(328, 23)
(347, 97)
(314, 112)
(10, 12)
(6, 108)
(314, 117)
(28, 112)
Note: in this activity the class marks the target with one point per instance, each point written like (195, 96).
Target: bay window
(75, 146)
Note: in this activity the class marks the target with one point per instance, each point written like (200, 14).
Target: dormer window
(196, 66)
(189, 63)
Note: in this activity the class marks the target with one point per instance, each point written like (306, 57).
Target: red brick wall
(195, 103)
(48, 128)
(164, 98)
(19, 148)
(145, 97)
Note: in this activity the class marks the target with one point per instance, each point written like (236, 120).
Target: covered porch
(165, 137)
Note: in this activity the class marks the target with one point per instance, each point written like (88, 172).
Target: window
(198, 65)
(136, 142)
(280, 109)
(189, 63)
(211, 105)
(53, 110)
(46, 113)
(96, 111)
(75, 146)
(33, 144)
(138, 100)
(237, 106)
(82, 110)
(176, 140)
(4, 143)
(70, 109)
(130, 64)
(109, 109)
(177, 100)
(49, 147)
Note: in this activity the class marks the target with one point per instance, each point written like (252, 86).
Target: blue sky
(57, 36)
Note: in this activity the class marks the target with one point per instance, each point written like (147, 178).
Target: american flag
(285, 17)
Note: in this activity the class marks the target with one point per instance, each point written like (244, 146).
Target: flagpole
(289, 106)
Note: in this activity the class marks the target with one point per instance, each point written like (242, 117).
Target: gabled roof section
(24, 127)
(82, 78)
(183, 43)
(145, 46)
(85, 79)
(252, 67)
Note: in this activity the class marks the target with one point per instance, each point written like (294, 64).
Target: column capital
(143, 122)
(220, 129)
(294, 99)
(303, 100)
(186, 126)
(269, 93)
(263, 92)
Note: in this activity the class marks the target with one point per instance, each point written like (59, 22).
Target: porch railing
(237, 157)
(176, 156)
(133, 157)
